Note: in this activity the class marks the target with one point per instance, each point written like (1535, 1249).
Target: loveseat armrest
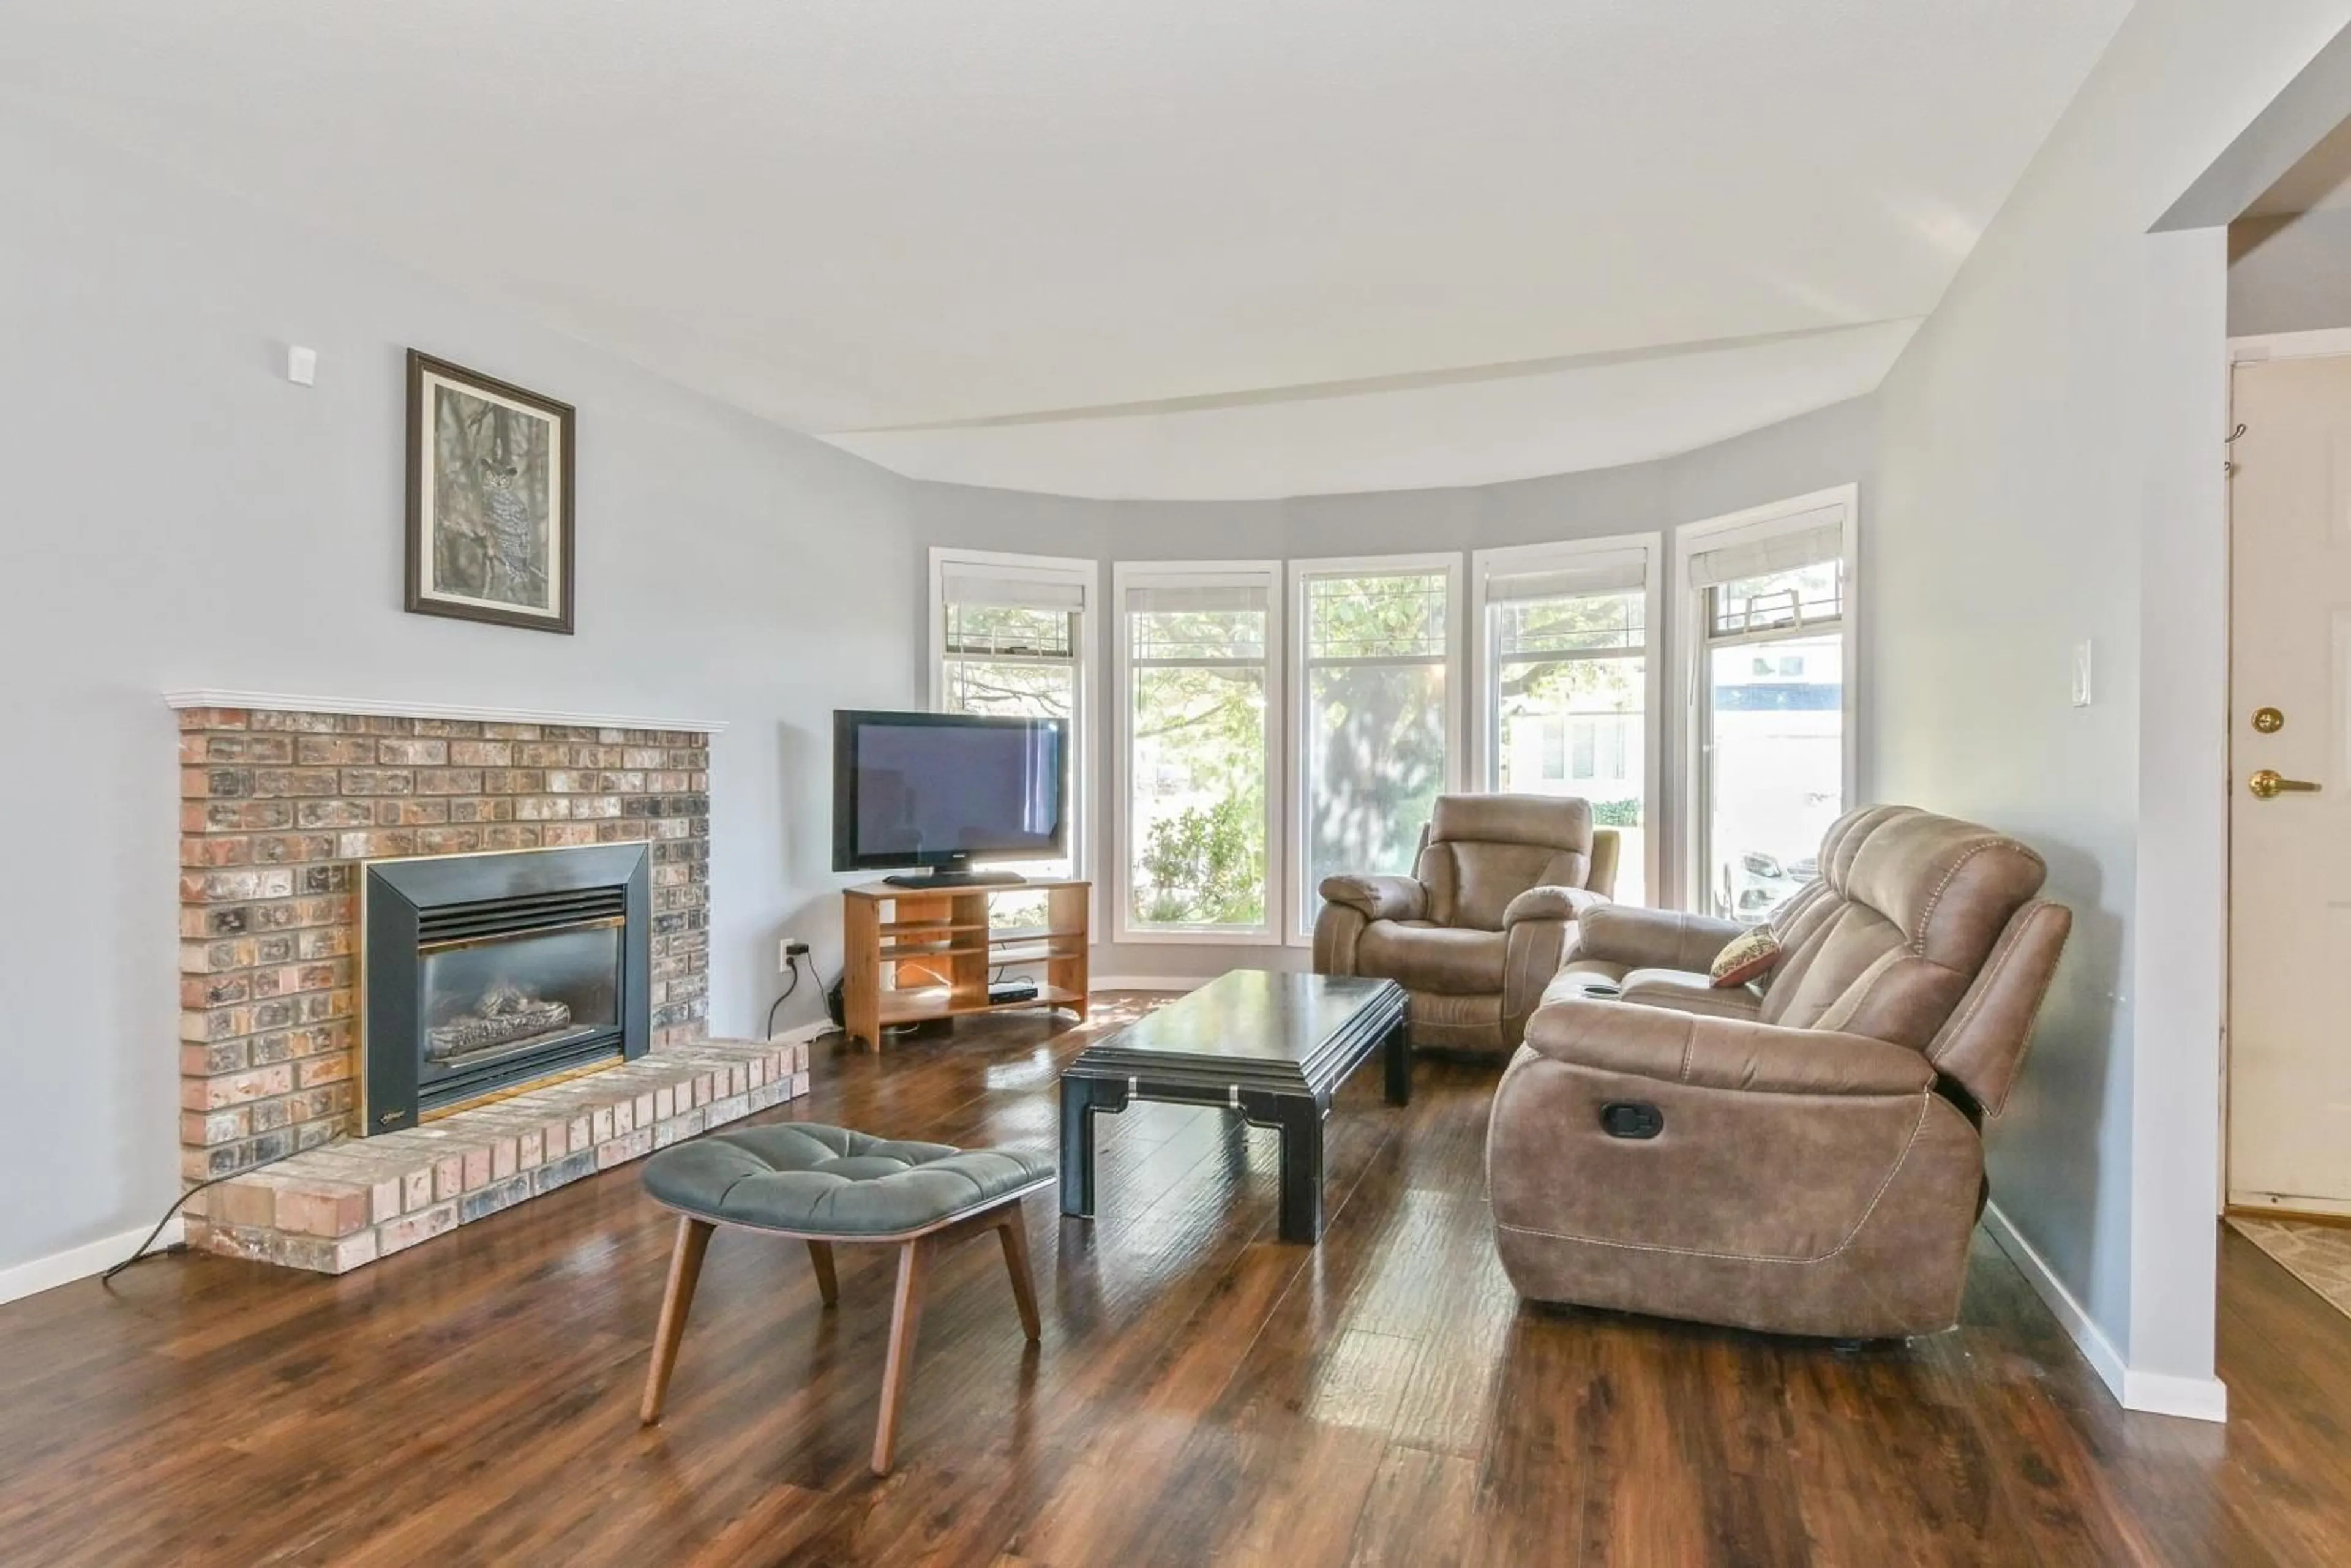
(1724, 1053)
(1551, 902)
(1652, 939)
(1378, 897)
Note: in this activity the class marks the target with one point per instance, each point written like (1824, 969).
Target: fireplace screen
(500, 996)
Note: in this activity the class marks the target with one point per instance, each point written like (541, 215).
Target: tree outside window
(1373, 725)
(1198, 672)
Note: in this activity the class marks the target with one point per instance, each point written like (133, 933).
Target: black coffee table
(1272, 1046)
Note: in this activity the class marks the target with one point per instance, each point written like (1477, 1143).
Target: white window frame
(1513, 561)
(1299, 924)
(1266, 574)
(1693, 780)
(1085, 575)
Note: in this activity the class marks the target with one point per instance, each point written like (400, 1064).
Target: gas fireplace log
(470, 1032)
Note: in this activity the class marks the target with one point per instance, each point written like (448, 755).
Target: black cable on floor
(142, 1251)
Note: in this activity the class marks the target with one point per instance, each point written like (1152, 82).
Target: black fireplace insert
(482, 972)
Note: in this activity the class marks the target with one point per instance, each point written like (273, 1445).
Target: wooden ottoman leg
(827, 1283)
(684, 1270)
(905, 1319)
(1015, 1237)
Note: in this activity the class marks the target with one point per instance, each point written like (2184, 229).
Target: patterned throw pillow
(1748, 958)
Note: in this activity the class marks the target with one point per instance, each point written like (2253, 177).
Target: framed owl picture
(489, 499)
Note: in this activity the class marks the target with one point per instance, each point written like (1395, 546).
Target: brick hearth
(357, 1199)
(278, 810)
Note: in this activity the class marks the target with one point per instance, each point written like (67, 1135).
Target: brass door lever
(2269, 783)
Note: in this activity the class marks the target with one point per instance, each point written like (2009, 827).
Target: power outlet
(787, 950)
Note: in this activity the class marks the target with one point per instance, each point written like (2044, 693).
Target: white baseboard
(2162, 1394)
(2157, 1393)
(1147, 982)
(78, 1262)
(2076, 1320)
(800, 1032)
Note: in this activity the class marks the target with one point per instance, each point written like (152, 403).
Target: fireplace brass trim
(511, 1091)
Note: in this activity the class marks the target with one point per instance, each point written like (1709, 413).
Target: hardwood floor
(1203, 1393)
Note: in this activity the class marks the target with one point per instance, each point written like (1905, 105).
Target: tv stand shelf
(914, 956)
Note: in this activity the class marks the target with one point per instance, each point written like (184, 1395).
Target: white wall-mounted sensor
(301, 366)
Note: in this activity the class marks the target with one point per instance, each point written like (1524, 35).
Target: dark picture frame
(489, 499)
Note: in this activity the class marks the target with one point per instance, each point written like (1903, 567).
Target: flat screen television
(944, 790)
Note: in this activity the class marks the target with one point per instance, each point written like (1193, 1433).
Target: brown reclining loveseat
(1801, 1154)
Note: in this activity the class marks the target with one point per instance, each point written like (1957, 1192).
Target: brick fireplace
(282, 808)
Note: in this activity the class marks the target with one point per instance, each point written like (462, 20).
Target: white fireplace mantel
(280, 702)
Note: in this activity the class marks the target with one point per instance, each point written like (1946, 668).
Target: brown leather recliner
(1800, 1156)
(1479, 930)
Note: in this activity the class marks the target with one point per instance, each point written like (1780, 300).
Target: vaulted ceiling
(1139, 248)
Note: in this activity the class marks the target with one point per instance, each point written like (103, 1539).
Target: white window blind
(1197, 621)
(1778, 552)
(1613, 571)
(1196, 598)
(960, 584)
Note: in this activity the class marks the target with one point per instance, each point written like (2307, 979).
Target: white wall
(1833, 447)
(2051, 473)
(178, 515)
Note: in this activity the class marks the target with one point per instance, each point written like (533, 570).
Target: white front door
(2290, 787)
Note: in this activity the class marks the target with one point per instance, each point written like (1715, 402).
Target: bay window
(1011, 636)
(1274, 724)
(1377, 714)
(1565, 667)
(1197, 749)
(1768, 599)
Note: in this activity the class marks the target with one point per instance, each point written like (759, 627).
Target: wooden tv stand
(929, 955)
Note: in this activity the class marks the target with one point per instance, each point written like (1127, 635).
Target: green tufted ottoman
(828, 1185)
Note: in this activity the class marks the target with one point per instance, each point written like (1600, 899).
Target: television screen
(930, 790)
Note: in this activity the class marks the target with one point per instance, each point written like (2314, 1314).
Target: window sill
(1205, 936)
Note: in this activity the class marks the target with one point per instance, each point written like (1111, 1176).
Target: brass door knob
(2269, 783)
